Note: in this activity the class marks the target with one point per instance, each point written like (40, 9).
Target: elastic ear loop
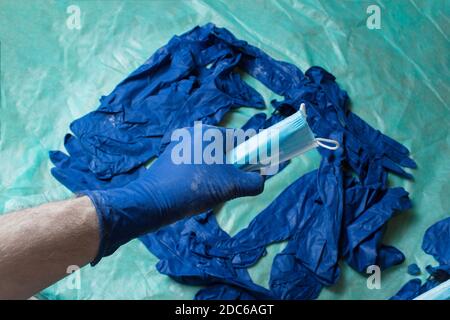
(335, 145)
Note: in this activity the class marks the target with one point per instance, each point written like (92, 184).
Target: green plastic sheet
(397, 78)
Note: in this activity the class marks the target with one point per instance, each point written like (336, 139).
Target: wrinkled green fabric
(397, 79)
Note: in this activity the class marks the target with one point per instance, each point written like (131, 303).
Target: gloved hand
(165, 193)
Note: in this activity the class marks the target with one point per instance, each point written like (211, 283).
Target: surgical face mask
(283, 141)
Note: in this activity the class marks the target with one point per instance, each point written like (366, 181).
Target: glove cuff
(104, 233)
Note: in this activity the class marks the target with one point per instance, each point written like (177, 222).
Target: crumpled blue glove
(165, 193)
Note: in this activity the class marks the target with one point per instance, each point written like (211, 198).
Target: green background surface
(397, 78)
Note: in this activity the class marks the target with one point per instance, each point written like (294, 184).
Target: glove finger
(249, 184)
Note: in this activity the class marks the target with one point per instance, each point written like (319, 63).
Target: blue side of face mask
(280, 142)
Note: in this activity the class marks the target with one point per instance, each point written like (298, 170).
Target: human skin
(39, 245)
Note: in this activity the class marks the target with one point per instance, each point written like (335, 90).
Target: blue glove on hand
(165, 193)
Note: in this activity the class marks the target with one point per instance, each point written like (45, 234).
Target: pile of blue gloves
(337, 212)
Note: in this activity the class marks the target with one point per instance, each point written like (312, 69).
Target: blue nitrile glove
(165, 193)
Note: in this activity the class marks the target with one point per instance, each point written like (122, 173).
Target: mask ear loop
(335, 145)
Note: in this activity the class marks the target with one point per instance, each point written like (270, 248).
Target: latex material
(437, 286)
(297, 273)
(69, 69)
(165, 193)
(413, 269)
(190, 79)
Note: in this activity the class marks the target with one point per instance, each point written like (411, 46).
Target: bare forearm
(37, 245)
